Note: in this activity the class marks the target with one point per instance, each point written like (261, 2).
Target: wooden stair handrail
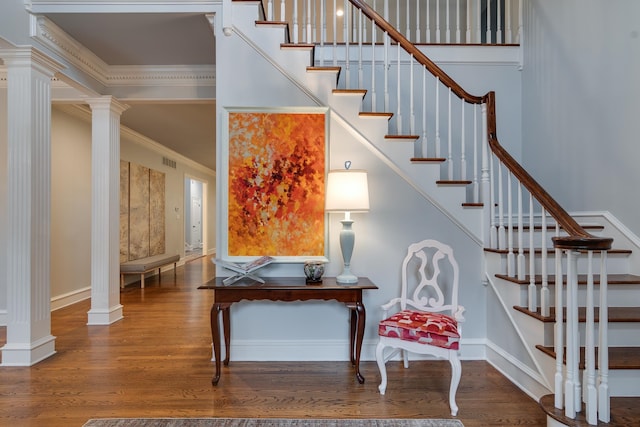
(578, 238)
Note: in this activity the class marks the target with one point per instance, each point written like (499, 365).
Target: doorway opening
(194, 218)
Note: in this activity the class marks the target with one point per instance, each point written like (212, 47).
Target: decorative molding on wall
(81, 112)
(55, 39)
(161, 75)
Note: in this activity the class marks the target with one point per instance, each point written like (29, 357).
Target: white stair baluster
(559, 336)
(463, 143)
(532, 297)
(511, 261)
(590, 393)
(544, 291)
(449, 139)
(521, 257)
(604, 404)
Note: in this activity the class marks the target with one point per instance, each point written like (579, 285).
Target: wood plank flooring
(156, 363)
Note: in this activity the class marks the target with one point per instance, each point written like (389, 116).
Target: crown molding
(55, 39)
(83, 112)
(59, 42)
(162, 75)
(120, 6)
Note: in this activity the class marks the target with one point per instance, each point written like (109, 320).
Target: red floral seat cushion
(424, 327)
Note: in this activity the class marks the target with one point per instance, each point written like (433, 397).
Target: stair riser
(617, 263)
(617, 295)
(620, 334)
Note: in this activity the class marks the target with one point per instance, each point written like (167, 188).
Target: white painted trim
(82, 113)
(529, 382)
(54, 38)
(509, 313)
(4, 317)
(70, 298)
(122, 6)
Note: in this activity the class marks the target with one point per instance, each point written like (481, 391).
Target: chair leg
(456, 371)
(405, 358)
(382, 367)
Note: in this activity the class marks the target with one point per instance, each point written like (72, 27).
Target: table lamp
(347, 191)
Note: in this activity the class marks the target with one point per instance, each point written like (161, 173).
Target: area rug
(268, 422)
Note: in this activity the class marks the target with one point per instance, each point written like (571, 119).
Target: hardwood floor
(156, 363)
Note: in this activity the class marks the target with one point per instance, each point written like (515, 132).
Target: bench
(145, 265)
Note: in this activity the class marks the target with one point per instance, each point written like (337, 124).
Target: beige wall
(71, 198)
(70, 203)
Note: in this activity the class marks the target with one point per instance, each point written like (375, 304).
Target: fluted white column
(28, 206)
(105, 211)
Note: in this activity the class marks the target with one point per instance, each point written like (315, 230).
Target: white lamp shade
(347, 191)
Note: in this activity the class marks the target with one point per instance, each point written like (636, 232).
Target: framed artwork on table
(274, 164)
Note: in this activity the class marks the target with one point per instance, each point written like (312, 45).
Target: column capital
(30, 56)
(107, 102)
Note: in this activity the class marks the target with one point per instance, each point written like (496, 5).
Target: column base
(104, 317)
(28, 354)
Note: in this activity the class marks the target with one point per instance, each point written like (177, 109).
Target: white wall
(580, 103)
(398, 217)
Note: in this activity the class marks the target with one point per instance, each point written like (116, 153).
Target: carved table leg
(226, 323)
(215, 337)
(358, 320)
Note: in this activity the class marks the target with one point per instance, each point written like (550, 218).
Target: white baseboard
(525, 378)
(67, 299)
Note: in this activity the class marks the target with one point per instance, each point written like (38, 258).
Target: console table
(287, 289)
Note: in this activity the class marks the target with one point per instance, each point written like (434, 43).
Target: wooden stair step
(412, 138)
(552, 227)
(612, 279)
(551, 251)
(333, 70)
(358, 92)
(616, 314)
(372, 114)
(428, 160)
(453, 182)
(625, 412)
(619, 357)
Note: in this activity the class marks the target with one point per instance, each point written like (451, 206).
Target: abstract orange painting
(276, 183)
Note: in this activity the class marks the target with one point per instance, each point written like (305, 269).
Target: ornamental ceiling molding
(120, 6)
(59, 42)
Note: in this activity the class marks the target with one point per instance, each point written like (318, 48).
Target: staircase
(524, 245)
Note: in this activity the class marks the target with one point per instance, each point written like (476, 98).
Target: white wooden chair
(427, 316)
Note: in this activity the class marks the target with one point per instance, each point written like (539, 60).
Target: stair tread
(403, 137)
(298, 45)
(551, 251)
(553, 227)
(619, 357)
(612, 279)
(328, 69)
(625, 412)
(428, 159)
(453, 182)
(616, 314)
(372, 114)
(349, 91)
